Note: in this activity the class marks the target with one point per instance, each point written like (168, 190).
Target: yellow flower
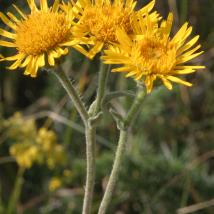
(24, 154)
(54, 184)
(153, 54)
(41, 34)
(99, 19)
(47, 139)
(20, 128)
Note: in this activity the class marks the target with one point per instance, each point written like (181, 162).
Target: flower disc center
(159, 56)
(41, 32)
(103, 22)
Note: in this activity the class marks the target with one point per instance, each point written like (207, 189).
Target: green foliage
(169, 160)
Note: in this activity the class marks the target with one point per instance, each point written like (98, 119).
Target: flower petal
(179, 81)
(7, 21)
(7, 34)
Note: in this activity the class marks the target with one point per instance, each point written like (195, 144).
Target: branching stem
(120, 151)
(90, 139)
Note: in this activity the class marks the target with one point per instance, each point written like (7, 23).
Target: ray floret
(39, 38)
(151, 54)
(98, 20)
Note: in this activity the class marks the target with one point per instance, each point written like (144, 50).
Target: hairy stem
(90, 139)
(67, 85)
(90, 170)
(103, 76)
(120, 151)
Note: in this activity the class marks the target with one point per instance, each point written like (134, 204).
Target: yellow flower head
(39, 35)
(54, 184)
(46, 139)
(98, 21)
(153, 54)
(25, 154)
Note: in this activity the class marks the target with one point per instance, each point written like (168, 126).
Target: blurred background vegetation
(170, 155)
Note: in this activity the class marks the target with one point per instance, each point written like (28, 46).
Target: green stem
(90, 128)
(90, 169)
(133, 112)
(135, 108)
(103, 76)
(91, 139)
(114, 173)
(67, 85)
(16, 192)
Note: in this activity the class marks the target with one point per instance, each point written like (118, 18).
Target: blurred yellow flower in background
(99, 20)
(37, 37)
(32, 145)
(19, 128)
(152, 54)
(25, 154)
(54, 184)
(47, 139)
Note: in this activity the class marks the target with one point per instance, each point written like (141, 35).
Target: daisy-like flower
(39, 37)
(98, 21)
(152, 54)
